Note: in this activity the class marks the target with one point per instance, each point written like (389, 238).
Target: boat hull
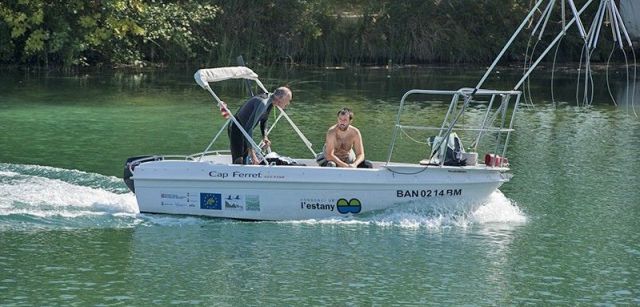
(307, 192)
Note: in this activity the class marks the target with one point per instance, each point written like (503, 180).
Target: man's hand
(266, 141)
(254, 157)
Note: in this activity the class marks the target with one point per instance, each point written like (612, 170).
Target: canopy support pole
(249, 139)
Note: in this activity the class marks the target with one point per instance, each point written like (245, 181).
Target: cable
(590, 81)
(524, 68)
(419, 142)
(607, 74)
(578, 79)
(553, 68)
(529, 79)
(635, 81)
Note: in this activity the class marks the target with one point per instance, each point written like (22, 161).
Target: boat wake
(42, 197)
(34, 197)
(498, 209)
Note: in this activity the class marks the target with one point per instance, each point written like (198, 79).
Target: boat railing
(219, 152)
(193, 157)
(134, 162)
(496, 120)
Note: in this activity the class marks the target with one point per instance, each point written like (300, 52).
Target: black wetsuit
(255, 110)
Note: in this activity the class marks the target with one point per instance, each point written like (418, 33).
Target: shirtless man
(341, 139)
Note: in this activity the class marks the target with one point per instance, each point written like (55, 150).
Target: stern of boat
(129, 167)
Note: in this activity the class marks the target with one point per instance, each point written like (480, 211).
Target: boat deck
(225, 158)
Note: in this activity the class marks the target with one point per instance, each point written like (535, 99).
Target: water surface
(564, 230)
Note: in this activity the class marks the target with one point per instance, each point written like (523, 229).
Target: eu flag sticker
(211, 201)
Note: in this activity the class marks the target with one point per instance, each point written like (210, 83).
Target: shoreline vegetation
(136, 34)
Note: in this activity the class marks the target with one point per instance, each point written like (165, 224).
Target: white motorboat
(285, 189)
(447, 179)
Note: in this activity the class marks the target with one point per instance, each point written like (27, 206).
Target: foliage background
(138, 33)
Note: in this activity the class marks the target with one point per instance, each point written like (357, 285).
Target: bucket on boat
(494, 160)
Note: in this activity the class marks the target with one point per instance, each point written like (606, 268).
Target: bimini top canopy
(204, 76)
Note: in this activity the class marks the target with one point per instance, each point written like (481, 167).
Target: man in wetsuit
(343, 144)
(255, 110)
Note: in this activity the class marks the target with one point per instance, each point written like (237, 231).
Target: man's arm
(263, 126)
(358, 147)
(254, 157)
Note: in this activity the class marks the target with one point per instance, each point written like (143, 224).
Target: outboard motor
(131, 164)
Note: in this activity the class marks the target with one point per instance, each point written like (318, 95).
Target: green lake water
(565, 230)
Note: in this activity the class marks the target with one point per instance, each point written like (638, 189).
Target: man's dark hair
(346, 111)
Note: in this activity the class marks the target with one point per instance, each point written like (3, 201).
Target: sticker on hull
(349, 206)
(211, 201)
(341, 205)
(252, 202)
(234, 202)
